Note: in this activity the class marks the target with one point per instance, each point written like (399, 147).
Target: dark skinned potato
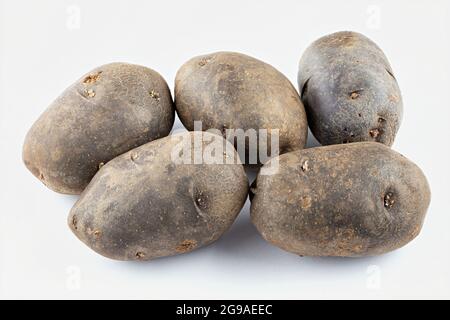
(350, 200)
(227, 90)
(349, 90)
(110, 110)
(143, 205)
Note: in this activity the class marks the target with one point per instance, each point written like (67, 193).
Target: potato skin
(349, 90)
(357, 199)
(228, 90)
(141, 205)
(108, 111)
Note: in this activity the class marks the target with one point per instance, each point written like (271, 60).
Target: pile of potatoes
(107, 138)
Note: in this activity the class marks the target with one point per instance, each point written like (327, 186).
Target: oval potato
(110, 110)
(227, 90)
(349, 90)
(349, 200)
(144, 205)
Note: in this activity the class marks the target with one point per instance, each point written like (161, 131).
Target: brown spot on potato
(203, 61)
(154, 94)
(89, 93)
(186, 245)
(347, 40)
(305, 202)
(389, 200)
(97, 233)
(375, 133)
(355, 94)
(133, 156)
(92, 78)
(74, 222)
(140, 255)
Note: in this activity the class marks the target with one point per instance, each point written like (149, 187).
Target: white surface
(43, 50)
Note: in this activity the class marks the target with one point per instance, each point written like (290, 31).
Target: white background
(46, 45)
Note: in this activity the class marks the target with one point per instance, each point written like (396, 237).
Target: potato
(144, 204)
(349, 90)
(110, 110)
(227, 90)
(357, 199)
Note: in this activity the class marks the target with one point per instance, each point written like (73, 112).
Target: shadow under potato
(246, 246)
